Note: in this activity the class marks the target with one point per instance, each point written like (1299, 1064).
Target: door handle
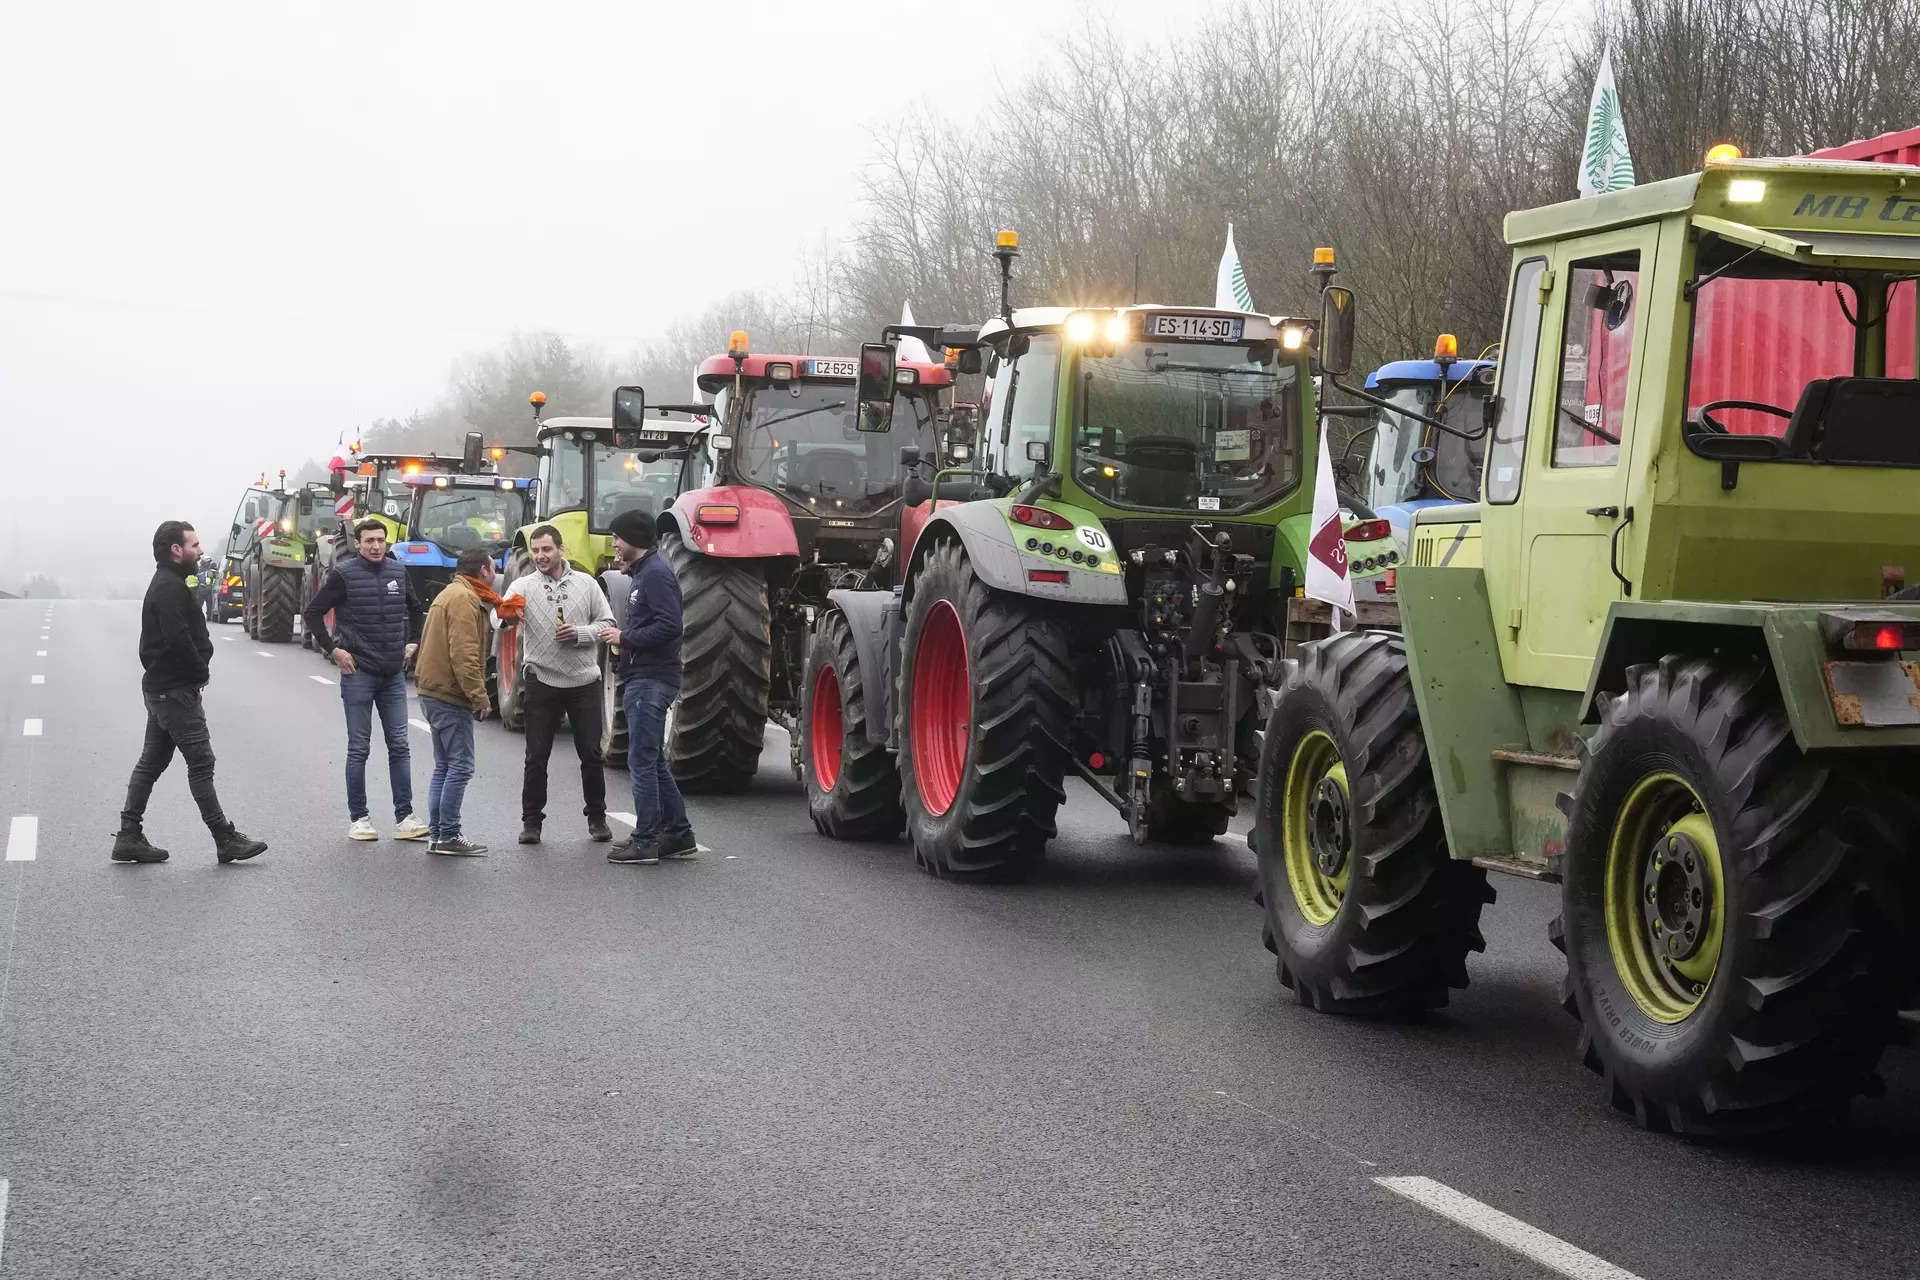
(1613, 544)
(1610, 513)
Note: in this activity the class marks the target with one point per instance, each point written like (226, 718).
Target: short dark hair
(470, 561)
(547, 531)
(365, 527)
(170, 534)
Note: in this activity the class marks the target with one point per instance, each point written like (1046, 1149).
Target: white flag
(1327, 547)
(912, 348)
(1230, 292)
(1604, 163)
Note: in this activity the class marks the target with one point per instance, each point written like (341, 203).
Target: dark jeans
(657, 806)
(543, 705)
(360, 693)
(175, 718)
(452, 764)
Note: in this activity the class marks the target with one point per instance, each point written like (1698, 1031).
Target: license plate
(833, 368)
(1195, 328)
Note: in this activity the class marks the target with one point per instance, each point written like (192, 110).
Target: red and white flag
(1327, 548)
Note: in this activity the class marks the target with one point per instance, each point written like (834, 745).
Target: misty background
(239, 234)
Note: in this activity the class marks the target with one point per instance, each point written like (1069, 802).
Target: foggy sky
(234, 229)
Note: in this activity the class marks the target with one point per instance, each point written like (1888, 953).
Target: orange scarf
(508, 608)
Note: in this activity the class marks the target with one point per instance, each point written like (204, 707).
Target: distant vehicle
(450, 514)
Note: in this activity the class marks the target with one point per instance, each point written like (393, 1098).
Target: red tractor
(788, 501)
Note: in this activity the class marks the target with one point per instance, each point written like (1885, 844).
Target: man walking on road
(650, 663)
(452, 676)
(376, 618)
(175, 650)
(560, 640)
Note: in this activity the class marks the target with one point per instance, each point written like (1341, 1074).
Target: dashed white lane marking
(261, 653)
(39, 679)
(420, 724)
(3, 1217)
(229, 637)
(39, 653)
(30, 729)
(23, 838)
(1551, 1252)
(627, 818)
(320, 679)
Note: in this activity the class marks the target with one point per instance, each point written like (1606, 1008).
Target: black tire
(279, 605)
(1395, 936)
(726, 649)
(862, 801)
(1809, 969)
(1009, 783)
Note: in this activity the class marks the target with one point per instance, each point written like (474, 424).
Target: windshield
(799, 439)
(456, 519)
(1392, 475)
(621, 479)
(1187, 427)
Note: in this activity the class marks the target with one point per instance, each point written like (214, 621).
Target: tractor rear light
(1368, 531)
(1039, 518)
(1870, 631)
(780, 371)
(717, 513)
(1390, 580)
(1884, 636)
(1096, 762)
(1058, 576)
(418, 548)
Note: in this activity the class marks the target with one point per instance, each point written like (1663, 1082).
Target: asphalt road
(790, 1058)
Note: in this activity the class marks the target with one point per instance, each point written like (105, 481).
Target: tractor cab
(454, 513)
(590, 472)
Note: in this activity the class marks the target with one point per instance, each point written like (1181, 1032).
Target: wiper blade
(800, 413)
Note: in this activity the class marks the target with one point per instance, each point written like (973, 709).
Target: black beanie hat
(635, 528)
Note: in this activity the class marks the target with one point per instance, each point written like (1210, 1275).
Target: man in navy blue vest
(376, 628)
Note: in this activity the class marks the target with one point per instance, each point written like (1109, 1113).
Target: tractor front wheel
(1365, 909)
(985, 700)
(853, 789)
(1728, 908)
(726, 649)
(279, 605)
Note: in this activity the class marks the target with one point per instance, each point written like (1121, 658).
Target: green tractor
(589, 473)
(1667, 660)
(273, 539)
(1101, 592)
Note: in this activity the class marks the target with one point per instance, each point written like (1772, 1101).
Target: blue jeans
(657, 806)
(452, 764)
(360, 693)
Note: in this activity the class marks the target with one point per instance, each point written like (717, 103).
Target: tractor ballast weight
(1667, 660)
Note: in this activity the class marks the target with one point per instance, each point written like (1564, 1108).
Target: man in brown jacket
(451, 673)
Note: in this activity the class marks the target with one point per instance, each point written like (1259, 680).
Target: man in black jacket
(175, 650)
(376, 627)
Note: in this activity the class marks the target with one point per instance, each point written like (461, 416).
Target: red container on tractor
(787, 501)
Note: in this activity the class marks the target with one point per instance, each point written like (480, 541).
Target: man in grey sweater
(559, 640)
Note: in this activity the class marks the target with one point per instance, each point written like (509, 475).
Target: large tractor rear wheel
(853, 789)
(1728, 909)
(279, 605)
(985, 702)
(726, 647)
(1365, 909)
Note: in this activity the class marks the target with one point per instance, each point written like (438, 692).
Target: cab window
(1509, 447)
(1020, 403)
(1596, 359)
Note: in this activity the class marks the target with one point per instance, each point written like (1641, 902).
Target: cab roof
(1259, 325)
(671, 420)
(1425, 371)
(716, 372)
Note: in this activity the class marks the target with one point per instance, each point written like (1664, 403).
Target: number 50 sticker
(1093, 537)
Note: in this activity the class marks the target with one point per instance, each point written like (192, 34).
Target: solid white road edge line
(23, 838)
(321, 679)
(1551, 1252)
(30, 729)
(3, 1217)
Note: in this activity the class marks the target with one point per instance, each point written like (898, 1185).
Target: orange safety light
(366, 469)
(537, 399)
(737, 344)
(717, 513)
(953, 357)
(1722, 153)
(413, 468)
(1446, 347)
(497, 453)
(1323, 256)
(1008, 239)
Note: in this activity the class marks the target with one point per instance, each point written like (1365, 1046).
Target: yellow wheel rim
(1665, 897)
(1318, 828)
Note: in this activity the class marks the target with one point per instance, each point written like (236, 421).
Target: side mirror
(969, 361)
(910, 456)
(916, 490)
(1336, 329)
(629, 409)
(472, 451)
(873, 389)
(1038, 452)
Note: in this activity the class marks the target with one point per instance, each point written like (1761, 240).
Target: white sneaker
(410, 828)
(362, 829)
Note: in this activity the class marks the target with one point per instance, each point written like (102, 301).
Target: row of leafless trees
(1399, 134)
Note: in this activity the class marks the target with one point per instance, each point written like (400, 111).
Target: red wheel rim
(942, 708)
(824, 728)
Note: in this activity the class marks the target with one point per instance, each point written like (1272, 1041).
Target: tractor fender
(764, 529)
(874, 619)
(982, 529)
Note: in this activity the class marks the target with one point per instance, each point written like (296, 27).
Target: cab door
(1574, 490)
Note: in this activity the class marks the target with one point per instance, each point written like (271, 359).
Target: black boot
(529, 833)
(231, 846)
(598, 830)
(132, 846)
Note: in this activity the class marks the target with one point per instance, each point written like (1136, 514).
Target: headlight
(1079, 328)
(1117, 329)
(1292, 336)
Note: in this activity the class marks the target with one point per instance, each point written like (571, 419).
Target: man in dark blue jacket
(376, 627)
(175, 651)
(650, 666)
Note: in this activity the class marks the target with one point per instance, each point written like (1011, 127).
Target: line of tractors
(1622, 625)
